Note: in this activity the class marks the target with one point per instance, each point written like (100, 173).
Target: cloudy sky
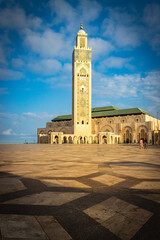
(36, 42)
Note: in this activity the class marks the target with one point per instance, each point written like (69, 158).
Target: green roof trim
(63, 117)
(106, 112)
(101, 109)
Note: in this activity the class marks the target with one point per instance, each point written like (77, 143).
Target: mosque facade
(101, 125)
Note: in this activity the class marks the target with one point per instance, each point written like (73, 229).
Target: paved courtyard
(79, 192)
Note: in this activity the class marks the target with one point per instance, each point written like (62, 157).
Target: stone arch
(49, 132)
(64, 139)
(64, 130)
(82, 69)
(108, 128)
(95, 139)
(142, 133)
(70, 139)
(56, 139)
(127, 134)
(104, 139)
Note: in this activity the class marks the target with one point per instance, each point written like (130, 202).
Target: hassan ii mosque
(101, 125)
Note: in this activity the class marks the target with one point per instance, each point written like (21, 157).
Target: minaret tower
(81, 85)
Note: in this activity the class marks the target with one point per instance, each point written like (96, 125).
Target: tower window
(87, 122)
(82, 122)
(77, 122)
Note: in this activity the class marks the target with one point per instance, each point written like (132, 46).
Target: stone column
(134, 137)
(100, 139)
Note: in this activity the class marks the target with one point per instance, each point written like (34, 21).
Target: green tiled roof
(63, 117)
(107, 112)
(119, 112)
(101, 109)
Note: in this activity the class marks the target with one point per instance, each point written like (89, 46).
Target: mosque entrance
(104, 139)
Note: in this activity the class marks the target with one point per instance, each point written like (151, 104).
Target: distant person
(141, 144)
(145, 144)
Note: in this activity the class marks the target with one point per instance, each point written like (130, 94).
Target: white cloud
(86, 11)
(48, 43)
(42, 115)
(121, 28)
(8, 74)
(116, 62)
(46, 67)
(89, 10)
(100, 47)
(15, 18)
(124, 86)
(116, 85)
(8, 132)
(63, 10)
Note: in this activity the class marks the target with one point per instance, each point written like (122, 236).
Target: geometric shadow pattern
(105, 204)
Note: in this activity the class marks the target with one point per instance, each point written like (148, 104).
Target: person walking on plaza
(141, 144)
(145, 144)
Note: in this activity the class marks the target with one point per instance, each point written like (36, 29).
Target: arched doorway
(64, 139)
(104, 139)
(56, 139)
(127, 135)
(70, 139)
(142, 134)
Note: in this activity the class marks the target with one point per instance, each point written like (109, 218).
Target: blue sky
(36, 42)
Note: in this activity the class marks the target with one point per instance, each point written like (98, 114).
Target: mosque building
(101, 125)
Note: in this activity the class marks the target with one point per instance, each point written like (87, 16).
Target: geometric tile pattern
(79, 192)
(10, 185)
(29, 227)
(147, 185)
(108, 179)
(120, 217)
(153, 197)
(47, 198)
(64, 183)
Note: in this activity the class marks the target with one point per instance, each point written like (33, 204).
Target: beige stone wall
(131, 128)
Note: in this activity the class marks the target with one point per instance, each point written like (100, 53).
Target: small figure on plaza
(141, 144)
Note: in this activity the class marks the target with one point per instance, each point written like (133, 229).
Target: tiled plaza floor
(79, 192)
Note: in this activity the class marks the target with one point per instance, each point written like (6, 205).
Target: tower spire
(81, 26)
